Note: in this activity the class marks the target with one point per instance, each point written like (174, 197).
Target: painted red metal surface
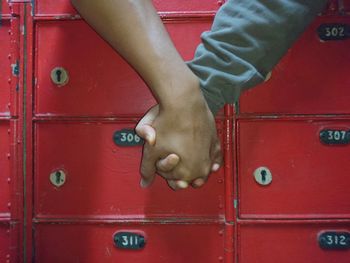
(4, 8)
(5, 67)
(8, 242)
(228, 163)
(102, 179)
(5, 168)
(63, 7)
(166, 242)
(312, 78)
(309, 179)
(102, 82)
(26, 128)
(288, 242)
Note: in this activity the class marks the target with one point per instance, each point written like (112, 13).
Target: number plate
(127, 137)
(334, 240)
(328, 32)
(129, 240)
(335, 137)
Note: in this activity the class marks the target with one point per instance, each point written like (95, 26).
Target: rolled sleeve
(246, 41)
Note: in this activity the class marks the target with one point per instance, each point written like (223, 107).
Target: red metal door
(312, 78)
(308, 176)
(102, 82)
(9, 241)
(166, 242)
(9, 65)
(101, 179)
(289, 242)
(6, 149)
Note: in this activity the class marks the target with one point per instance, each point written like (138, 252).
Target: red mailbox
(6, 55)
(312, 78)
(63, 7)
(75, 80)
(5, 171)
(166, 242)
(9, 247)
(293, 169)
(83, 171)
(4, 8)
(292, 242)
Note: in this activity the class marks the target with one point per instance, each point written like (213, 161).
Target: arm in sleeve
(247, 39)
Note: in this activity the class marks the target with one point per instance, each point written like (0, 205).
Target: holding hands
(182, 145)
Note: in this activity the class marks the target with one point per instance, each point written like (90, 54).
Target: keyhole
(58, 177)
(263, 176)
(58, 75)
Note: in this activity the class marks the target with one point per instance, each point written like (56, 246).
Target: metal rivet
(59, 76)
(58, 178)
(263, 176)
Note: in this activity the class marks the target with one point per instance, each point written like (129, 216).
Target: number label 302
(127, 137)
(333, 31)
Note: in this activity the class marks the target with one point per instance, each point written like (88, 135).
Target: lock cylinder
(59, 76)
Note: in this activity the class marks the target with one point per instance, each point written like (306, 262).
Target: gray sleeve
(247, 39)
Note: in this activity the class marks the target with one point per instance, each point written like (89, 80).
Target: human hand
(181, 145)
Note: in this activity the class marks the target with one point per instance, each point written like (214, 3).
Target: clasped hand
(181, 145)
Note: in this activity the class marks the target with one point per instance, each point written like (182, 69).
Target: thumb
(147, 132)
(144, 128)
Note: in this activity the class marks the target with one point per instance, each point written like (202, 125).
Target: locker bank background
(69, 184)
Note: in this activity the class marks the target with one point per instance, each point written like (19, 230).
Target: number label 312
(334, 240)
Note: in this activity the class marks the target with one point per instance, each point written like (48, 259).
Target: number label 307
(127, 137)
(334, 137)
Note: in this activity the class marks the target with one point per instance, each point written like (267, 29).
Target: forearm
(135, 30)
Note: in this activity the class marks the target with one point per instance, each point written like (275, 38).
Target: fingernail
(182, 184)
(143, 183)
(198, 183)
(215, 167)
(150, 139)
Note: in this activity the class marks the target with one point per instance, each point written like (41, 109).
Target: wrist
(184, 95)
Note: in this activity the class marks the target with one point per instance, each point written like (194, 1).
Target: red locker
(166, 242)
(101, 82)
(9, 66)
(6, 143)
(8, 242)
(312, 78)
(291, 242)
(4, 8)
(309, 175)
(101, 179)
(63, 7)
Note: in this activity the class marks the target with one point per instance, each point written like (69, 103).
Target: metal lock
(59, 76)
(263, 176)
(58, 178)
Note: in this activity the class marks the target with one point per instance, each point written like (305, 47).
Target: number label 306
(127, 137)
